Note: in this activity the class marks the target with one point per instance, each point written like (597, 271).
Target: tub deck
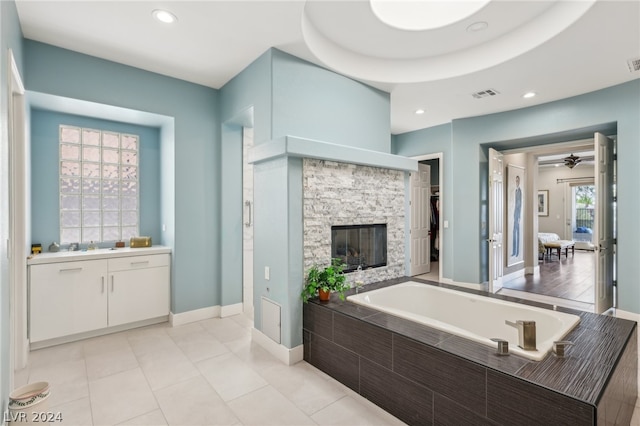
(427, 376)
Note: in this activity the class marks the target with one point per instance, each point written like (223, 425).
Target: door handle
(102, 283)
(111, 283)
(248, 205)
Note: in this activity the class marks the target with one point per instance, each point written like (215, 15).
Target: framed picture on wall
(543, 202)
(515, 209)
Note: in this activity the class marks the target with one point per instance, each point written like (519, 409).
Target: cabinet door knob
(102, 283)
(111, 283)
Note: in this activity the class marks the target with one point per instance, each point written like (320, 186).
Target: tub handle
(560, 346)
(503, 346)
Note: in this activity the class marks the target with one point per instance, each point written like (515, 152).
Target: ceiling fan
(572, 161)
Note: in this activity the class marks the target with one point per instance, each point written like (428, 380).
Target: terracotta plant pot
(324, 295)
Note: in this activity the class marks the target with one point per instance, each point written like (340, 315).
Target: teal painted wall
(231, 215)
(250, 91)
(244, 101)
(196, 139)
(45, 213)
(10, 38)
(434, 140)
(290, 97)
(314, 103)
(615, 109)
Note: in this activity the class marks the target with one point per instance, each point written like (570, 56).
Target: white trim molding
(532, 270)
(619, 313)
(288, 356)
(192, 316)
(230, 310)
(19, 210)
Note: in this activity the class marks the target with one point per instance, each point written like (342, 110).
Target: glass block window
(98, 185)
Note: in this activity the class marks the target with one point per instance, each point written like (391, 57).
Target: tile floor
(204, 373)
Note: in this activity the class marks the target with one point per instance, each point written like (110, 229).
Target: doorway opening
(578, 206)
(426, 217)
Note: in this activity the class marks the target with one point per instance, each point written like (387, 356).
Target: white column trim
(288, 356)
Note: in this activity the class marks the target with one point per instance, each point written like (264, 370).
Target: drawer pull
(70, 269)
(139, 263)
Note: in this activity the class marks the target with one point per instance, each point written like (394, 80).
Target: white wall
(547, 180)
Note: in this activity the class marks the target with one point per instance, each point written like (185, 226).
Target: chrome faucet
(526, 334)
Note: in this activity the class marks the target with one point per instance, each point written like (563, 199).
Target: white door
(420, 220)
(496, 220)
(603, 232)
(247, 233)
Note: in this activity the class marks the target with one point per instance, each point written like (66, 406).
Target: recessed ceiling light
(419, 111)
(164, 16)
(529, 95)
(477, 26)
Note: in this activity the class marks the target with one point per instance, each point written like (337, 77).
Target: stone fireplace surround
(289, 174)
(336, 193)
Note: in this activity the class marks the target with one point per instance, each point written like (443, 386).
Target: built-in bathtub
(426, 376)
(474, 317)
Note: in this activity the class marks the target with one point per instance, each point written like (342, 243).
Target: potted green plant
(322, 282)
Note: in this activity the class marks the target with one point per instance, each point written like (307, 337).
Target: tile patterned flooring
(204, 373)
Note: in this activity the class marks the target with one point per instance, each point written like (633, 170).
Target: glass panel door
(583, 214)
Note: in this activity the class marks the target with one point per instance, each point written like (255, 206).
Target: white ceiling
(557, 49)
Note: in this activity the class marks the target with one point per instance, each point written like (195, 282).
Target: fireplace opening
(360, 245)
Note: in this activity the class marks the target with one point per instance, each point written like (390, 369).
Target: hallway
(568, 278)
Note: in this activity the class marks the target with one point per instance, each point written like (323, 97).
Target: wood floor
(568, 278)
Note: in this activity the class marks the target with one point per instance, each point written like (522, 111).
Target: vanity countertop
(103, 253)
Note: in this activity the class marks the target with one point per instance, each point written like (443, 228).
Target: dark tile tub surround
(425, 376)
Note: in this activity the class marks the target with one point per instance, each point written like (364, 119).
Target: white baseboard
(193, 316)
(532, 270)
(619, 313)
(95, 333)
(229, 310)
(286, 355)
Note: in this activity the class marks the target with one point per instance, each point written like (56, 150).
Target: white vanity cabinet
(138, 288)
(75, 295)
(67, 298)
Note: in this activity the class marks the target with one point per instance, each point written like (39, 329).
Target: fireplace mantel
(291, 146)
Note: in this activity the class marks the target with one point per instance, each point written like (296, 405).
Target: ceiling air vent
(485, 93)
(634, 64)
